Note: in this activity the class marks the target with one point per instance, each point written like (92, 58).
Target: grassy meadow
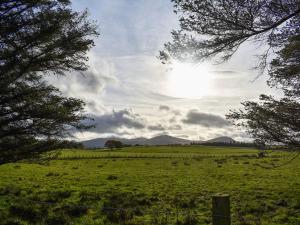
(152, 185)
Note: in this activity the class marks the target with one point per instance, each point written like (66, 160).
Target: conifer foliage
(39, 38)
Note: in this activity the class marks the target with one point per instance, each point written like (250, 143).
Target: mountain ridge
(157, 140)
(221, 139)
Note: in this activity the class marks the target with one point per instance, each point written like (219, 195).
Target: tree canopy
(37, 39)
(212, 28)
(111, 144)
(217, 28)
(271, 120)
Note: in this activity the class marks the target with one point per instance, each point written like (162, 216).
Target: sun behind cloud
(186, 80)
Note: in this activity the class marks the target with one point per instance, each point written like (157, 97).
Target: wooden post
(221, 209)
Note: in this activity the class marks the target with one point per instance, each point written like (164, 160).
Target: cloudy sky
(130, 93)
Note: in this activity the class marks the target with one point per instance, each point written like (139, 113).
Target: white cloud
(125, 73)
(112, 122)
(195, 117)
(88, 85)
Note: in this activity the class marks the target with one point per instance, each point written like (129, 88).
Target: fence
(155, 156)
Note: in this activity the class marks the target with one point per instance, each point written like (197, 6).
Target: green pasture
(152, 185)
(161, 152)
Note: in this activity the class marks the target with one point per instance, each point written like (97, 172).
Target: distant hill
(224, 139)
(100, 142)
(167, 140)
(158, 140)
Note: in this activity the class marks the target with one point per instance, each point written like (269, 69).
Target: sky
(130, 93)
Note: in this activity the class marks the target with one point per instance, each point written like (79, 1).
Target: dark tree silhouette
(276, 121)
(213, 28)
(39, 38)
(217, 28)
(111, 144)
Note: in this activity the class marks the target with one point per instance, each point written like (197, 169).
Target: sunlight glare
(186, 80)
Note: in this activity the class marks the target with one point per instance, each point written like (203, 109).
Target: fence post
(221, 209)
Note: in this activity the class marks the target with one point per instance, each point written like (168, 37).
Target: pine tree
(212, 28)
(39, 38)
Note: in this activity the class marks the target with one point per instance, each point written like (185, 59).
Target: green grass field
(151, 185)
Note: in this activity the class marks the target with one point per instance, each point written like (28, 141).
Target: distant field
(161, 151)
(151, 185)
